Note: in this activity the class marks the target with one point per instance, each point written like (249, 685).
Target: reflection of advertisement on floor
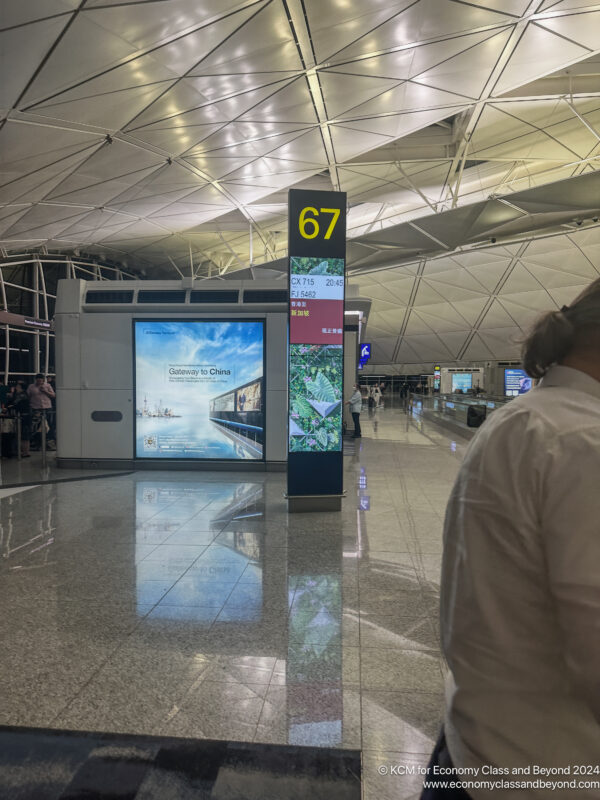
(314, 663)
(187, 377)
(316, 378)
(187, 511)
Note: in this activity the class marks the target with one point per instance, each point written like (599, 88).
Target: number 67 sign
(316, 250)
(317, 224)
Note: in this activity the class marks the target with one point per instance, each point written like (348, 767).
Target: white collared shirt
(520, 597)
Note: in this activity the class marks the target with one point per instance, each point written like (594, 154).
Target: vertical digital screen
(462, 381)
(316, 380)
(516, 381)
(436, 378)
(317, 249)
(199, 389)
(316, 360)
(316, 300)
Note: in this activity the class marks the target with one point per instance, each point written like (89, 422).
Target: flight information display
(317, 250)
(199, 389)
(316, 354)
(462, 381)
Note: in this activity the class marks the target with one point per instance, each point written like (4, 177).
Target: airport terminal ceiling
(162, 136)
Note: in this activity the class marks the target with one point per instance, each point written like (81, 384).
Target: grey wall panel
(107, 439)
(69, 295)
(276, 336)
(350, 367)
(68, 351)
(94, 352)
(276, 425)
(106, 351)
(68, 421)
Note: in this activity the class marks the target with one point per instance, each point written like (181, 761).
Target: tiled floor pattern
(191, 604)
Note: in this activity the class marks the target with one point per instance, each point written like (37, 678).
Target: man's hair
(39, 375)
(557, 332)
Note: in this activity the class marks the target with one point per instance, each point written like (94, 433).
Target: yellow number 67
(312, 224)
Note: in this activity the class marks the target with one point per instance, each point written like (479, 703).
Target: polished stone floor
(189, 604)
(31, 471)
(69, 765)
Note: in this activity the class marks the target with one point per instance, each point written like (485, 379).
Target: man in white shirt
(520, 598)
(355, 404)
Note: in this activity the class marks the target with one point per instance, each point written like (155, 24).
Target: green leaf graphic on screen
(303, 407)
(320, 269)
(321, 389)
(321, 435)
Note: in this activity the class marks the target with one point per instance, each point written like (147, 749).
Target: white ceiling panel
(417, 108)
(420, 22)
(477, 350)
(552, 52)
(469, 70)
(336, 26)
(157, 22)
(582, 28)
(21, 51)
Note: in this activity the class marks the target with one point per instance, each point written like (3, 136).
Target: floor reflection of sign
(314, 663)
(364, 503)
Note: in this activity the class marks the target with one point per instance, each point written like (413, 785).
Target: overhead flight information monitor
(317, 250)
(199, 389)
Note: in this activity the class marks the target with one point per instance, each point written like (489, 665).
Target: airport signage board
(516, 381)
(317, 261)
(199, 389)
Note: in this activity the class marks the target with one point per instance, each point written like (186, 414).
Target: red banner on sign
(316, 322)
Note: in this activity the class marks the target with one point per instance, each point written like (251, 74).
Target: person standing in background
(377, 395)
(40, 396)
(18, 403)
(4, 393)
(355, 404)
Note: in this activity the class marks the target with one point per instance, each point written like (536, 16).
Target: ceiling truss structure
(163, 135)
(473, 305)
(139, 129)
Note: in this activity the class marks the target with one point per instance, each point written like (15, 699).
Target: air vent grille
(109, 297)
(214, 296)
(161, 296)
(265, 296)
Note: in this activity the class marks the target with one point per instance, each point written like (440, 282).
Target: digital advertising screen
(316, 381)
(462, 381)
(516, 381)
(199, 389)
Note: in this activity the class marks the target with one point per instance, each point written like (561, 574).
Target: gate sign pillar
(317, 264)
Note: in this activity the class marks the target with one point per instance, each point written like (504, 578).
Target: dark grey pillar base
(314, 502)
